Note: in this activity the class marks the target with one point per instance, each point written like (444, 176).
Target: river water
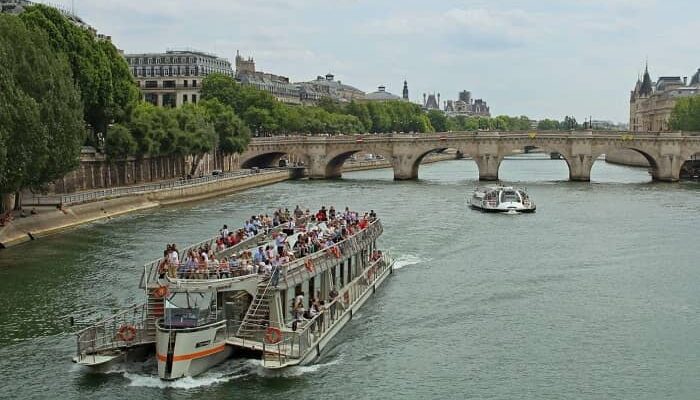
(595, 296)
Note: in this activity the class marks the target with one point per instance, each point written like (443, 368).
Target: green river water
(595, 296)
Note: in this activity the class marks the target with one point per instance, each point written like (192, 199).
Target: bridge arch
(270, 159)
(412, 165)
(572, 162)
(334, 162)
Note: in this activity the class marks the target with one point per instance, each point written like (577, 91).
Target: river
(595, 296)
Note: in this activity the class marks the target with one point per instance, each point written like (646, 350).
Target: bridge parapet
(324, 155)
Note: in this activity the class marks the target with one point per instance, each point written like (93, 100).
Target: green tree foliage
(120, 143)
(233, 133)
(439, 121)
(548, 125)
(101, 73)
(686, 114)
(569, 123)
(41, 127)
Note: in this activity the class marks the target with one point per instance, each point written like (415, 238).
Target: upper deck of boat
(321, 243)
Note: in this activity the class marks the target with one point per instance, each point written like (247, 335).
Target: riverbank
(49, 220)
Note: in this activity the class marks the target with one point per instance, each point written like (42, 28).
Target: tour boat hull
(189, 352)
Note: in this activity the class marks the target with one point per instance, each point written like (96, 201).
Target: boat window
(511, 196)
(188, 309)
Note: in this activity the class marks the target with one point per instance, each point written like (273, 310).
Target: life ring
(346, 297)
(127, 333)
(309, 265)
(160, 292)
(273, 335)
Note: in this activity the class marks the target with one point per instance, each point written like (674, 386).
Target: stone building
(327, 86)
(277, 85)
(431, 102)
(174, 78)
(382, 95)
(467, 106)
(651, 103)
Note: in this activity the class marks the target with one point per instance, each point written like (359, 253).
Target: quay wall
(97, 172)
(49, 220)
(627, 157)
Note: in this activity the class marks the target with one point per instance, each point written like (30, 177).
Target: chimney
(685, 81)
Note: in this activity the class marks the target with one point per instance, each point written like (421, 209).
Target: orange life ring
(336, 251)
(127, 333)
(273, 335)
(309, 265)
(160, 292)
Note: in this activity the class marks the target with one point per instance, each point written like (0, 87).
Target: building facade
(174, 78)
(467, 106)
(651, 103)
(277, 85)
(382, 95)
(328, 86)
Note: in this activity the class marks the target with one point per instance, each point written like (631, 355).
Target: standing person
(280, 240)
(173, 261)
(333, 295)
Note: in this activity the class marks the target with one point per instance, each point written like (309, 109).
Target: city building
(431, 102)
(174, 78)
(277, 85)
(382, 95)
(327, 86)
(651, 103)
(467, 106)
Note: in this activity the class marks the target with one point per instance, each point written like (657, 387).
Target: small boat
(505, 199)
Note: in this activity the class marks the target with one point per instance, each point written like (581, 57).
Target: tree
(569, 123)
(685, 115)
(438, 120)
(120, 143)
(100, 72)
(548, 125)
(40, 110)
(233, 133)
(196, 136)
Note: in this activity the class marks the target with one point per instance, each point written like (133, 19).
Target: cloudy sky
(543, 58)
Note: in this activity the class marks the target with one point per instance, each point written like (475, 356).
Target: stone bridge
(324, 155)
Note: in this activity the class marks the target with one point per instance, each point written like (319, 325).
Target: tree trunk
(7, 202)
(18, 201)
(196, 160)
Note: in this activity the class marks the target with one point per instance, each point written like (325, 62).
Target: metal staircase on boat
(258, 314)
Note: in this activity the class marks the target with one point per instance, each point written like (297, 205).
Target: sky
(543, 59)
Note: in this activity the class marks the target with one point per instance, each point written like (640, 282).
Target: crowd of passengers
(203, 262)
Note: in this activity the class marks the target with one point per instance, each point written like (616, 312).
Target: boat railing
(122, 330)
(151, 270)
(349, 245)
(309, 332)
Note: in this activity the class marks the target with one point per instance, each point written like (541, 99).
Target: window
(194, 99)
(185, 82)
(169, 84)
(194, 83)
(151, 84)
(184, 98)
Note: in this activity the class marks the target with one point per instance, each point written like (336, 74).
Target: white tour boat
(502, 199)
(193, 321)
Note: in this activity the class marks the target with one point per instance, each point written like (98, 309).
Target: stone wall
(97, 172)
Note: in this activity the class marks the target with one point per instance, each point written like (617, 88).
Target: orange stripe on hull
(192, 356)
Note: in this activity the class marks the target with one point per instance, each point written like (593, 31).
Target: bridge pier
(580, 167)
(668, 168)
(488, 166)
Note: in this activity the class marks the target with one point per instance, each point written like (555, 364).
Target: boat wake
(406, 260)
(215, 376)
(292, 372)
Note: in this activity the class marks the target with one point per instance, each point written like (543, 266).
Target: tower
(646, 87)
(438, 101)
(405, 90)
(424, 101)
